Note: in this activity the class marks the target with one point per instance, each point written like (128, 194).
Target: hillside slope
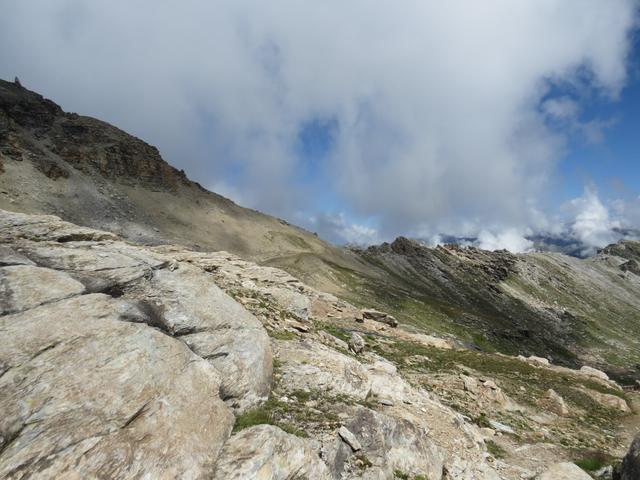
(91, 173)
(547, 304)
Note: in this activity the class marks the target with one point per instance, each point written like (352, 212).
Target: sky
(365, 120)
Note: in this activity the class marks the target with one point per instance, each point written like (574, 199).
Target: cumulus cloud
(509, 239)
(592, 225)
(441, 111)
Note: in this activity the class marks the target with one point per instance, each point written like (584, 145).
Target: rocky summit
(153, 329)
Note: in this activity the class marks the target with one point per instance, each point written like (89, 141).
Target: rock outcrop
(630, 468)
(125, 361)
(564, 471)
(126, 383)
(266, 452)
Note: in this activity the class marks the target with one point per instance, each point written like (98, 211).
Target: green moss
(293, 430)
(482, 421)
(336, 331)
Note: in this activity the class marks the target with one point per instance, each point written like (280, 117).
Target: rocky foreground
(124, 361)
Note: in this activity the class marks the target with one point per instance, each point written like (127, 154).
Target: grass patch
(398, 474)
(494, 449)
(281, 335)
(341, 333)
(257, 416)
(592, 461)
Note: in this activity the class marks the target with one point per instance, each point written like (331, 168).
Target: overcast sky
(364, 119)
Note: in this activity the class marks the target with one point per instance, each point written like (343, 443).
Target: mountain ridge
(94, 174)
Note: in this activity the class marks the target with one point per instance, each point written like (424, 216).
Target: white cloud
(592, 224)
(437, 105)
(509, 239)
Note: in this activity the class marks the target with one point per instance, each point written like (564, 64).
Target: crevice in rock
(213, 356)
(10, 439)
(152, 315)
(84, 237)
(32, 358)
(135, 416)
(43, 350)
(115, 291)
(183, 332)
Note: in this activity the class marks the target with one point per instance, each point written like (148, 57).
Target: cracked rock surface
(98, 383)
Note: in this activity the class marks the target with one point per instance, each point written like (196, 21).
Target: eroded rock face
(179, 298)
(128, 383)
(312, 366)
(392, 444)
(86, 395)
(266, 452)
(218, 329)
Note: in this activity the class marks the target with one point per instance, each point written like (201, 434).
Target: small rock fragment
(556, 403)
(593, 372)
(356, 343)
(349, 438)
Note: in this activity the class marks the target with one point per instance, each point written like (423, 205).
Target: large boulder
(593, 372)
(608, 400)
(265, 452)
(564, 471)
(382, 317)
(630, 468)
(84, 394)
(555, 403)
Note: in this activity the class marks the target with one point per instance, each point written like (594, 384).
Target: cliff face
(38, 129)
